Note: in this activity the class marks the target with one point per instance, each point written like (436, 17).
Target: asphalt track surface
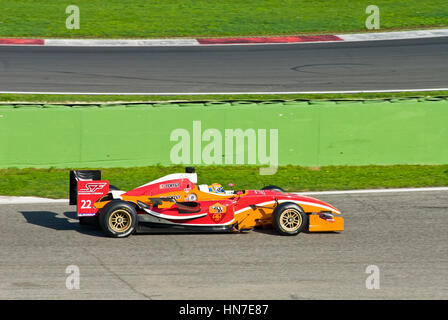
(374, 65)
(403, 234)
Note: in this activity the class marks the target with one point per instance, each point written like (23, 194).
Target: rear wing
(86, 187)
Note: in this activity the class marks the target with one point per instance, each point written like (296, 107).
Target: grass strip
(80, 99)
(53, 183)
(200, 18)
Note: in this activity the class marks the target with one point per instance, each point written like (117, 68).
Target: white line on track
(35, 200)
(26, 200)
(373, 191)
(221, 93)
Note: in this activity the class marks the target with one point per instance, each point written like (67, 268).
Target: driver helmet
(216, 188)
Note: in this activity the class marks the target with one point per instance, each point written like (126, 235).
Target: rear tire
(274, 188)
(118, 219)
(289, 219)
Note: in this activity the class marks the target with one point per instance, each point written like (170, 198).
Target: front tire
(118, 219)
(290, 219)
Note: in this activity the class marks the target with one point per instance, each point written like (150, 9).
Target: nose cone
(321, 204)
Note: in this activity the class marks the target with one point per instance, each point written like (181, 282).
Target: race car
(177, 202)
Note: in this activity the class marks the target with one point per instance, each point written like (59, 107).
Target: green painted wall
(408, 131)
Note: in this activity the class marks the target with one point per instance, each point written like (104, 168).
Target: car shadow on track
(54, 221)
(69, 221)
(272, 232)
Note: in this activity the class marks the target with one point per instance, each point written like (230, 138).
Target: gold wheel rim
(120, 220)
(291, 220)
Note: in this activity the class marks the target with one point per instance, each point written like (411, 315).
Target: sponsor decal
(173, 197)
(169, 185)
(92, 187)
(86, 214)
(217, 212)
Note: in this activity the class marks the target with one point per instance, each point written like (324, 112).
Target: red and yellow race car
(176, 201)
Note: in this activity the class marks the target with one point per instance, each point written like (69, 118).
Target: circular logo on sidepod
(217, 212)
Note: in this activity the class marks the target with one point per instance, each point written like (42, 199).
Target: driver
(216, 188)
